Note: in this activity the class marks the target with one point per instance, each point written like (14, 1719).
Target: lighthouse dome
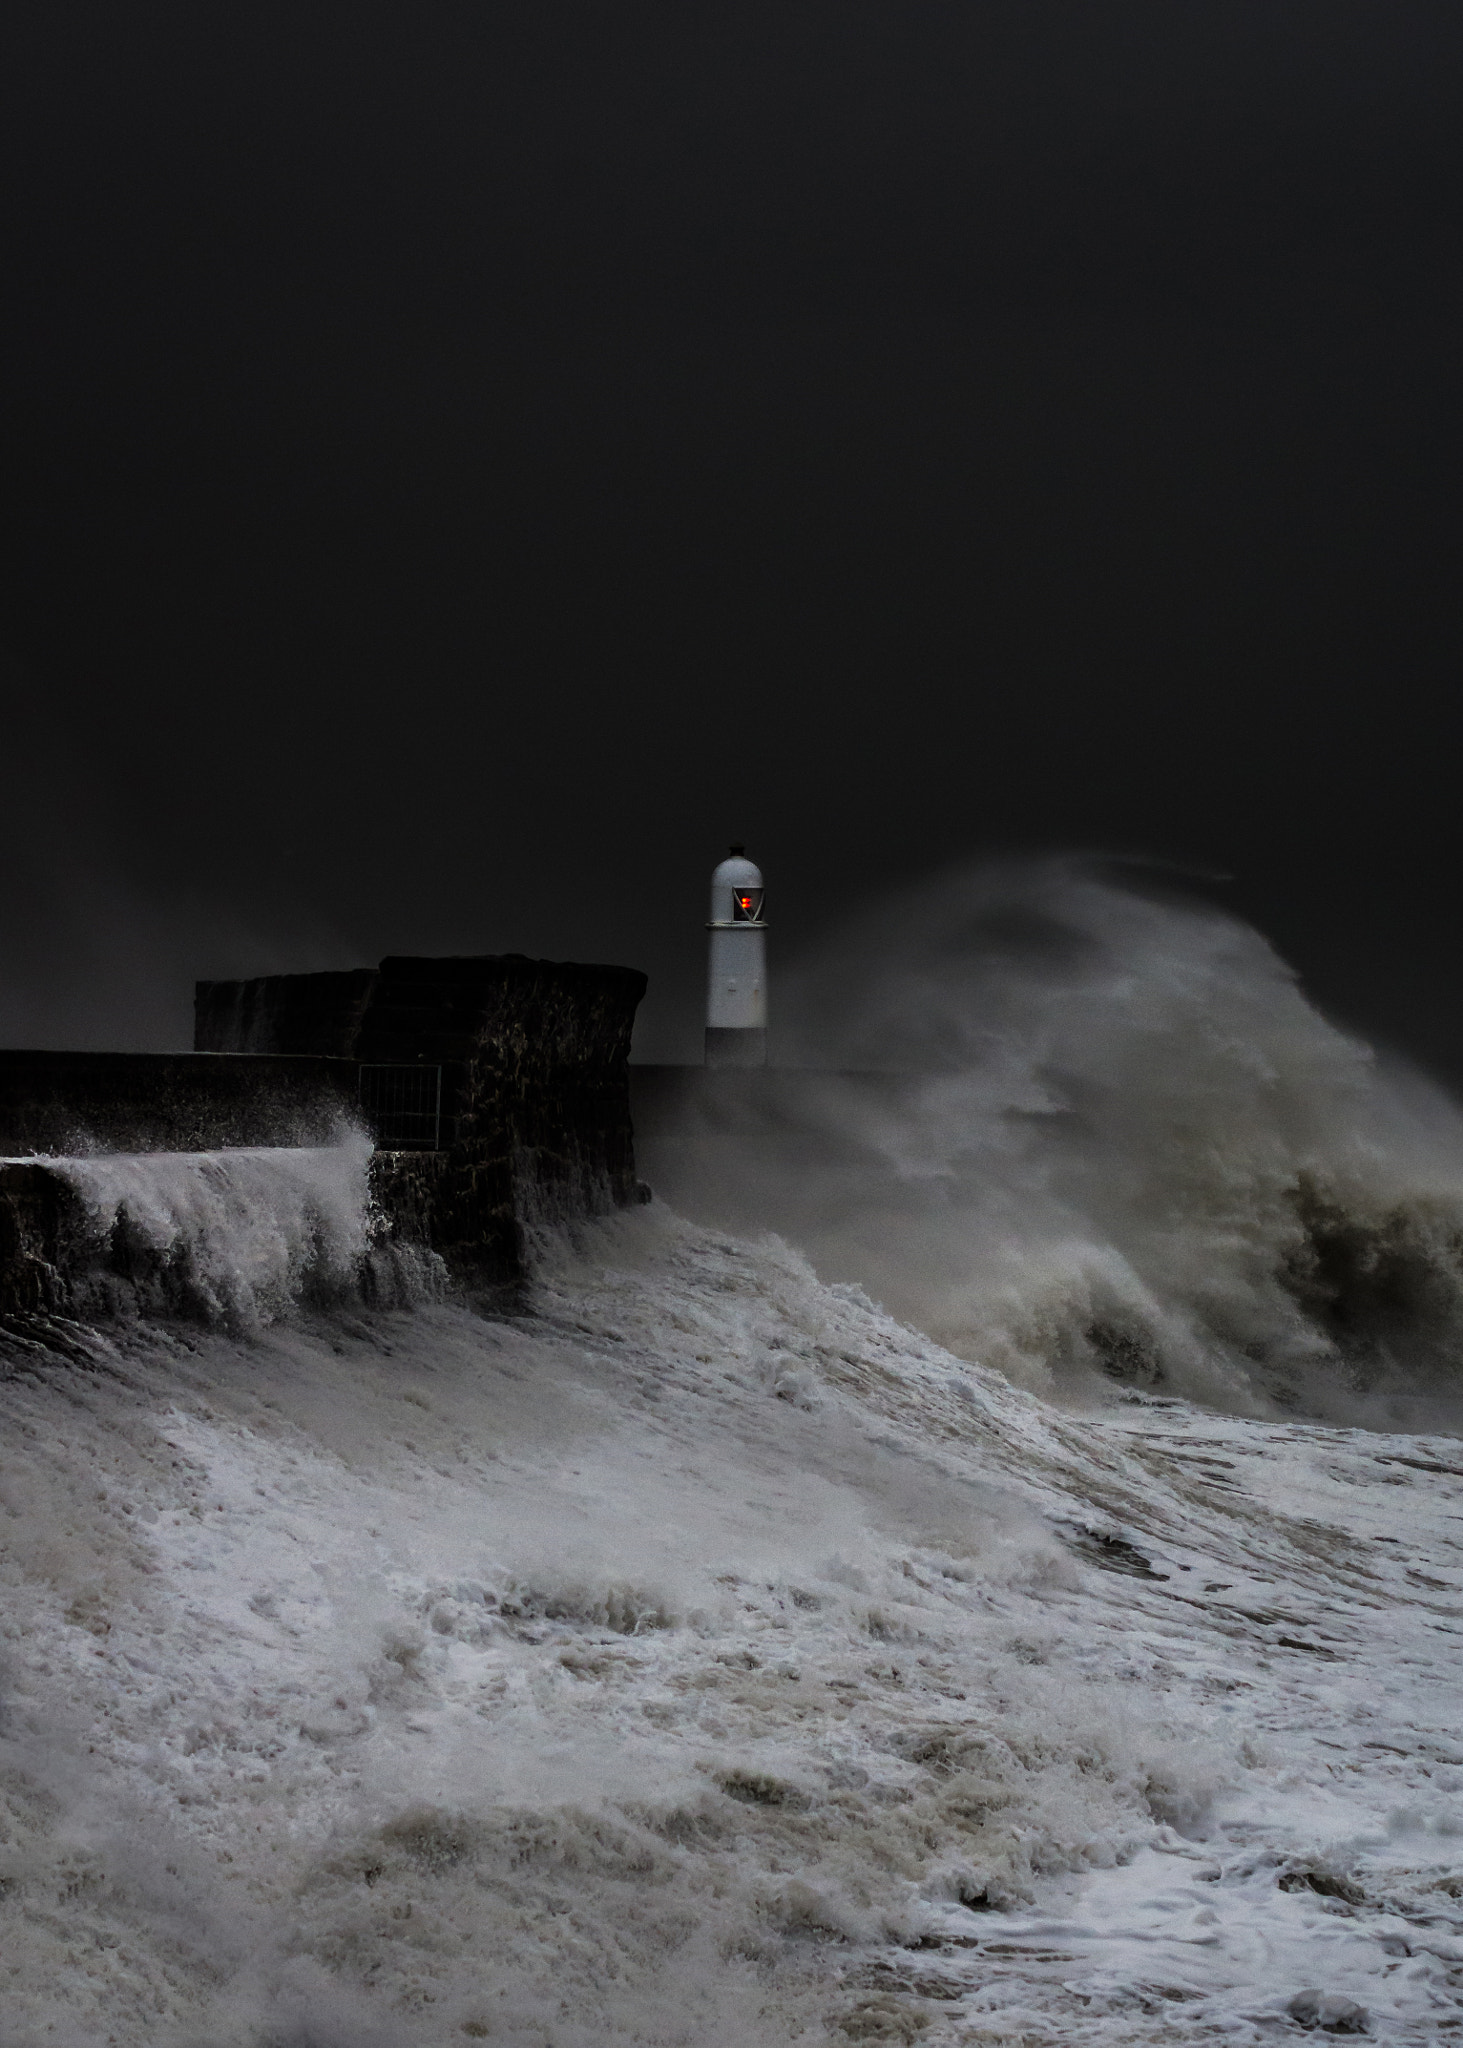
(736, 890)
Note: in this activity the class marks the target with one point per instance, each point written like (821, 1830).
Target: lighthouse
(736, 993)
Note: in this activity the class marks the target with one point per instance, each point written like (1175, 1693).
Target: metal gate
(403, 1106)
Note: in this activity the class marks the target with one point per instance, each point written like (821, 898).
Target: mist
(1086, 1128)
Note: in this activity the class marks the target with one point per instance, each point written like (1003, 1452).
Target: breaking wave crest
(1113, 1141)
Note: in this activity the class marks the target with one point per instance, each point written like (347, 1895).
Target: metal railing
(403, 1106)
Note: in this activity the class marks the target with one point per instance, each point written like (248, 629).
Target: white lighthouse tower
(736, 995)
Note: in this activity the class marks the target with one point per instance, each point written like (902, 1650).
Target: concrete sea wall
(515, 1076)
(84, 1102)
(533, 1111)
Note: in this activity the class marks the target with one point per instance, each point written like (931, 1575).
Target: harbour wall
(494, 1091)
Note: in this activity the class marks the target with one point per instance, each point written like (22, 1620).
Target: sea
(992, 1575)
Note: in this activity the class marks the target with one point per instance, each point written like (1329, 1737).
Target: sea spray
(237, 1238)
(1089, 1134)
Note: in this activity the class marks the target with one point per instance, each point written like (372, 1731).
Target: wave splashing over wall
(235, 1239)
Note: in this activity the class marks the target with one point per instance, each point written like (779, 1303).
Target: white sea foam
(709, 1657)
(598, 1677)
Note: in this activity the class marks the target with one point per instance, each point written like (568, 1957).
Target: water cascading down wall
(495, 1089)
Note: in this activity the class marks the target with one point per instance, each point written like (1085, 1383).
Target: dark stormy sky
(464, 464)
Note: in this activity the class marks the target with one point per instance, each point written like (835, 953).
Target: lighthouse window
(747, 906)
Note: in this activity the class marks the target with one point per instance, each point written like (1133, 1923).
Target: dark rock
(1325, 1882)
(1113, 1553)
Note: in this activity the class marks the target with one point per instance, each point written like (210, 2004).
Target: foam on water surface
(708, 1658)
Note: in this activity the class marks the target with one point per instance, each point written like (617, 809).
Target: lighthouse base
(745, 1046)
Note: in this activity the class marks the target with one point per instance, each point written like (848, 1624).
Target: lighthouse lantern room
(736, 998)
